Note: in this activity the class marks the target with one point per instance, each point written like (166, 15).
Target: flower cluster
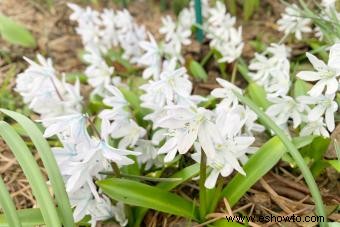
(271, 70)
(225, 38)
(314, 112)
(292, 21)
(82, 157)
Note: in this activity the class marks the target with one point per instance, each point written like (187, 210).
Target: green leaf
(335, 164)
(32, 172)
(15, 33)
(27, 217)
(139, 194)
(258, 95)
(185, 174)
(300, 88)
(197, 71)
(49, 162)
(317, 148)
(268, 155)
(8, 206)
(249, 6)
(318, 167)
(232, 6)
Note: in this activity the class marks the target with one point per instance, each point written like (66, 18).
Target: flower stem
(116, 169)
(207, 57)
(203, 192)
(293, 152)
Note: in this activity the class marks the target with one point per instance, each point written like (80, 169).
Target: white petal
(187, 140)
(317, 63)
(329, 118)
(308, 75)
(334, 56)
(317, 89)
(211, 179)
(316, 113)
(332, 86)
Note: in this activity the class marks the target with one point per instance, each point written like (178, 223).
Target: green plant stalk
(32, 172)
(233, 75)
(203, 192)
(293, 152)
(8, 206)
(199, 20)
(207, 57)
(31, 130)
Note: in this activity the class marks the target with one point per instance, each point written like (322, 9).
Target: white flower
(109, 33)
(115, 99)
(98, 72)
(118, 156)
(119, 214)
(149, 154)
(152, 58)
(271, 70)
(89, 24)
(284, 108)
(293, 22)
(315, 128)
(171, 88)
(45, 93)
(224, 36)
(324, 105)
(226, 92)
(70, 128)
(236, 120)
(188, 124)
(226, 158)
(326, 75)
(128, 131)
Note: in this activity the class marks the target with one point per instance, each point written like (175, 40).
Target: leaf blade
(49, 162)
(32, 172)
(15, 33)
(8, 206)
(143, 195)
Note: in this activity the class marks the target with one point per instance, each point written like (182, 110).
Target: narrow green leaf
(197, 71)
(8, 206)
(249, 6)
(335, 164)
(27, 217)
(32, 172)
(15, 33)
(185, 174)
(268, 155)
(258, 95)
(139, 194)
(49, 162)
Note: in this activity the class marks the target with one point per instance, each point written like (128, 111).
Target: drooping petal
(334, 56)
(210, 182)
(329, 118)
